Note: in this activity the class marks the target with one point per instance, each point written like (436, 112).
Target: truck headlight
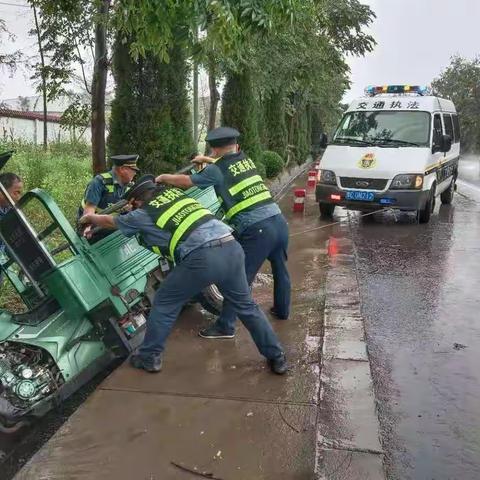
(407, 182)
(327, 177)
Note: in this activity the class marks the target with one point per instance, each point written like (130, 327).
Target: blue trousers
(224, 266)
(263, 240)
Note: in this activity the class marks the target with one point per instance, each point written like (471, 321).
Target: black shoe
(152, 364)
(276, 315)
(213, 332)
(278, 365)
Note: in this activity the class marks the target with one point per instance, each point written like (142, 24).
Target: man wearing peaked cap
(251, 211)
(222, 136)
(107, 188)
(205, 253)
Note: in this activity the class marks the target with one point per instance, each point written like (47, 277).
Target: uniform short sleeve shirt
(140, 222)
(211, 176)
(96, 189)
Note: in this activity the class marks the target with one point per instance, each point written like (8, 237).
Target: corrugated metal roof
(52, 117)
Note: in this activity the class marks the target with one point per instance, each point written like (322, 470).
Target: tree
(8, 60)
(43, 74)
(66, 32)
(275, 133)
(24, 103)
(303, 63)
(99, 83)
(239, 110)
(460, 82)
(150, 114)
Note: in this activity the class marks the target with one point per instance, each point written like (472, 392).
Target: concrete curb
(279, 185)
(348, 433)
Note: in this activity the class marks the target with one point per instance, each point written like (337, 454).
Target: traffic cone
(299, 195)
(312, 179)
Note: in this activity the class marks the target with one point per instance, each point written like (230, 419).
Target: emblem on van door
(367, 161)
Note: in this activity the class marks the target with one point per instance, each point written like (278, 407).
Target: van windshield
(385, 129)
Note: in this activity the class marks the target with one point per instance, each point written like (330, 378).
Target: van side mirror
(323, 140)
(446, 143)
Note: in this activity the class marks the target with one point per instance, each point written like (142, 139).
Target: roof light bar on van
(378, 90)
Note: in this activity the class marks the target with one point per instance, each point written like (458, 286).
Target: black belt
(218, 242)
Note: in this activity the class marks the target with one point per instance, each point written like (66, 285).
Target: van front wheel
(425, 214)
(326, 209)
(447, 196)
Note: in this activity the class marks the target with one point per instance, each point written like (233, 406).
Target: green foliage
(460, 82)
(65, 26)
(225, 25)
(150, 114)
(63, 171)
(274, 126)
(239, 110)
(8, 60)
(273, 163)
(261, 169)
(302, 137)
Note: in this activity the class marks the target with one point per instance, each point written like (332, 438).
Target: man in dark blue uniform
(205, 252)
(106, 189)
(249, 208)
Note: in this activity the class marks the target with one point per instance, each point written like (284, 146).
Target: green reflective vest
(173, 211)
(243, 188)
(110, 196)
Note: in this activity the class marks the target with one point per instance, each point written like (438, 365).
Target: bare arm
(200, 159)
(181, 181)
(103, 221)
(89, 209)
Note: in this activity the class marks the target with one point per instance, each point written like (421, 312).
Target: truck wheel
(447, 196)
(211, 300)
(326, 209)
(425, 214)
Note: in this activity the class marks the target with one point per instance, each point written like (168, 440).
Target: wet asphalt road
(419, 290)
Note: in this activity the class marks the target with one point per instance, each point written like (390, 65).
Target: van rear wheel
(447, 196)
(326, 209)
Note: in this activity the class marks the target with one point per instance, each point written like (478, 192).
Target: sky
(415, 40)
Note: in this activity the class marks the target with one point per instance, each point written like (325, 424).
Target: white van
(396, 147)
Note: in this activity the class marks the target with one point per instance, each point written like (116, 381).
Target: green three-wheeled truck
(85, 304)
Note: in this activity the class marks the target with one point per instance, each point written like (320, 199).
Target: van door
(449, 160)
(437, 155)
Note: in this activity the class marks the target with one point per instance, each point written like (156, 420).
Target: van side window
(437, 132)
(447, 120)
(456, 128)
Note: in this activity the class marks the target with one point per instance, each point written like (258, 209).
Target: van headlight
(407, 182)
(327, 177)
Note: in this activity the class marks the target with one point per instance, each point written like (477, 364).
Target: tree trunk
(44, 80)
(99, 84)
(214, 95)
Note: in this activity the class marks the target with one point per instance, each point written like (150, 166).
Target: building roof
(51, 117)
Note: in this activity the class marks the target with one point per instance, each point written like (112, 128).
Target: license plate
(360, 196)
